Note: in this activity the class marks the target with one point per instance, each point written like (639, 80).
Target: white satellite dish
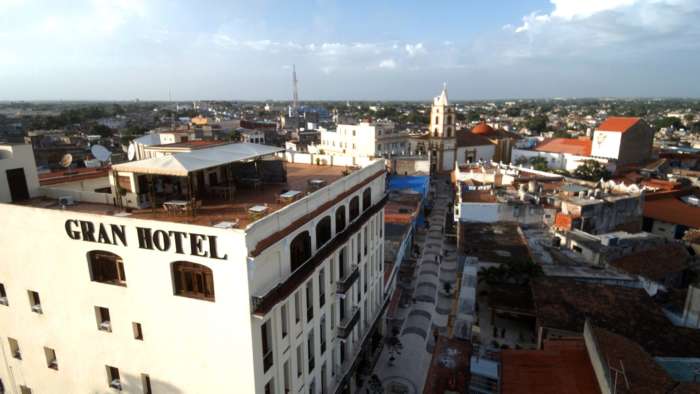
(66, 160)
(100, 152)
(131, 152)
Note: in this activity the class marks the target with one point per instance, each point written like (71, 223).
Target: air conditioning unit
(66, 200)
(106, 326)
(53, 364)
(17, 354)
(36, 308)
(3, 300)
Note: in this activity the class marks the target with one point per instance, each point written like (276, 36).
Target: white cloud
(415, 49)
(388, 64)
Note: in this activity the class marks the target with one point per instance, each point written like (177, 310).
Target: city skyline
(123, 50)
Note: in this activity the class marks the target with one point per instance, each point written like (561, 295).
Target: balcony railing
(344, 284)
(346, 325)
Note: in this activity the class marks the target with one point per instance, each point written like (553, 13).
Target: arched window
(340, 219)
(323, 231)
(435, 132)
(354, 208)
(106, 267)
(449, 132)
(366, 199)
(449, 119)
(193, 280)
(437, 120)
(300, 250)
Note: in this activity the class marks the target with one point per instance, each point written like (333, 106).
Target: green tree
(101, 130)
(537, 123)
(591, 170)
(669, 121)
(517, 272)
(539, 163)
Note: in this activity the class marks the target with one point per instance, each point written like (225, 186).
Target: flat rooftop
(215, 211)
(500, 242)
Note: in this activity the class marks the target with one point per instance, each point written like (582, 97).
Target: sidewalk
(429, 312)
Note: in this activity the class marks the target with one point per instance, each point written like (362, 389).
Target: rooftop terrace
(214, 210)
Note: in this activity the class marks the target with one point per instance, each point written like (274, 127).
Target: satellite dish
(100, 152)
(131, 152)
(66, 160)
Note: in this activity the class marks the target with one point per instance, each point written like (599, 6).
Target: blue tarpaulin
(417, 183)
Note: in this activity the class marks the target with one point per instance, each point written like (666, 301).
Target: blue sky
(234, 49)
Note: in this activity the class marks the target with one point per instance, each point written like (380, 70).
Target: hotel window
(106, 267)
(51, 360)
(300, 361)
(270, 387)
(34, 301)
(287, 378)
(332, 316)
(138, 332)
(300, 250)
(297, 306)
(310, 300)
(366, 199)
(342, 263)
(113, 379)
(340, 219)
(365, 239)
(322, 334)
(354, 208)
(321, 288)
(193, 280)
(266, 337)
(364, 279)
(311, 351)
(332, 273)
(284, 319)
(3, 295)
(104, 323)
(14, 348)
(323, 231)
(146, 384)
(24, 389)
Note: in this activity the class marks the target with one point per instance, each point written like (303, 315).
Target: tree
(591, 170)
(537, 123)
(101, 130)
(539, 163)
(669, 121)
(517, 272)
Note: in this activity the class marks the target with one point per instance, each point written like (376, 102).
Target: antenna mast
(295, 83)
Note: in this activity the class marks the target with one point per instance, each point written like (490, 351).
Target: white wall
(189, 345)
(482, 152)
(18, 156)
(606, 144)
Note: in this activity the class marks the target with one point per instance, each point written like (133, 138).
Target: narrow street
(428, 313)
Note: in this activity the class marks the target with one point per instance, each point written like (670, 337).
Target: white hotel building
(241, 286)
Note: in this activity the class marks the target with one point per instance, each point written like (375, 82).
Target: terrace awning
(182, 164)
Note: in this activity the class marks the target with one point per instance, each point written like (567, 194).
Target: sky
(348, 50)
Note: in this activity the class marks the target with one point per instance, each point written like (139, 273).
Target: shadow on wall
(134, 384)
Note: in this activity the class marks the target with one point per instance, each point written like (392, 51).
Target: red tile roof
(644, 375)
(470, 138)
(667, 207)
(562, 366)
(617, 123)
(573, 146)
(656, 263)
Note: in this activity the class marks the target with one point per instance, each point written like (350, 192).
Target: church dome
(482, 128)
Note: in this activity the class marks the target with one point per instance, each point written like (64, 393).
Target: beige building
(266, 278)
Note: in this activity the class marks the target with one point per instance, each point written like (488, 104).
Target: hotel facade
(273, 287)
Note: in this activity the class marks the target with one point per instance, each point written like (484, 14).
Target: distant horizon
(302, 102)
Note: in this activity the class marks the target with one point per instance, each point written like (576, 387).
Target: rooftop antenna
(617, 373)
(295, 94)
